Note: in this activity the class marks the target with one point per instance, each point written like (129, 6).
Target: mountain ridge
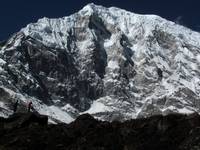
(103, 61)
(31, 131)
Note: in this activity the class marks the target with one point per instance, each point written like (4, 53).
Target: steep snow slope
(104, 61)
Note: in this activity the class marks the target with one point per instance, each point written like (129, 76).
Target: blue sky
(15, 14)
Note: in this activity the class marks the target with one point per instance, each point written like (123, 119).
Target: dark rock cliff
(31, 131)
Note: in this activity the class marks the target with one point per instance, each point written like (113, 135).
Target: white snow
(2, 104)
(198, 57)
(2, 62)
(51, 111)
(97, 107)
(57, 113)
(113, 64)
(185, 111)
(180, 65)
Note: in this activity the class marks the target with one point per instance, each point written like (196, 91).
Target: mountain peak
(88, 9)
(108, 62)
(91, 5)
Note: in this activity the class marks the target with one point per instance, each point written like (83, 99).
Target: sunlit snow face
(106, 63)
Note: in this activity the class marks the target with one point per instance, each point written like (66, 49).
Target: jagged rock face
(105, 61)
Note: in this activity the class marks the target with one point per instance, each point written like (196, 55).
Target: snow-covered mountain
(104, 61)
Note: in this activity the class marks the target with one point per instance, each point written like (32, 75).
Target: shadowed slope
(172, 132)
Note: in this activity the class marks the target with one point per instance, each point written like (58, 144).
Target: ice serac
(103, 61)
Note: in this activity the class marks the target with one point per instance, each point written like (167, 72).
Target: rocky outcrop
(30, 131)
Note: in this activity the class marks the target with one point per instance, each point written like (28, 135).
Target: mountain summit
(108, 62)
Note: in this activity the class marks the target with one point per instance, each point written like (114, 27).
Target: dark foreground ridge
(31, 132)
